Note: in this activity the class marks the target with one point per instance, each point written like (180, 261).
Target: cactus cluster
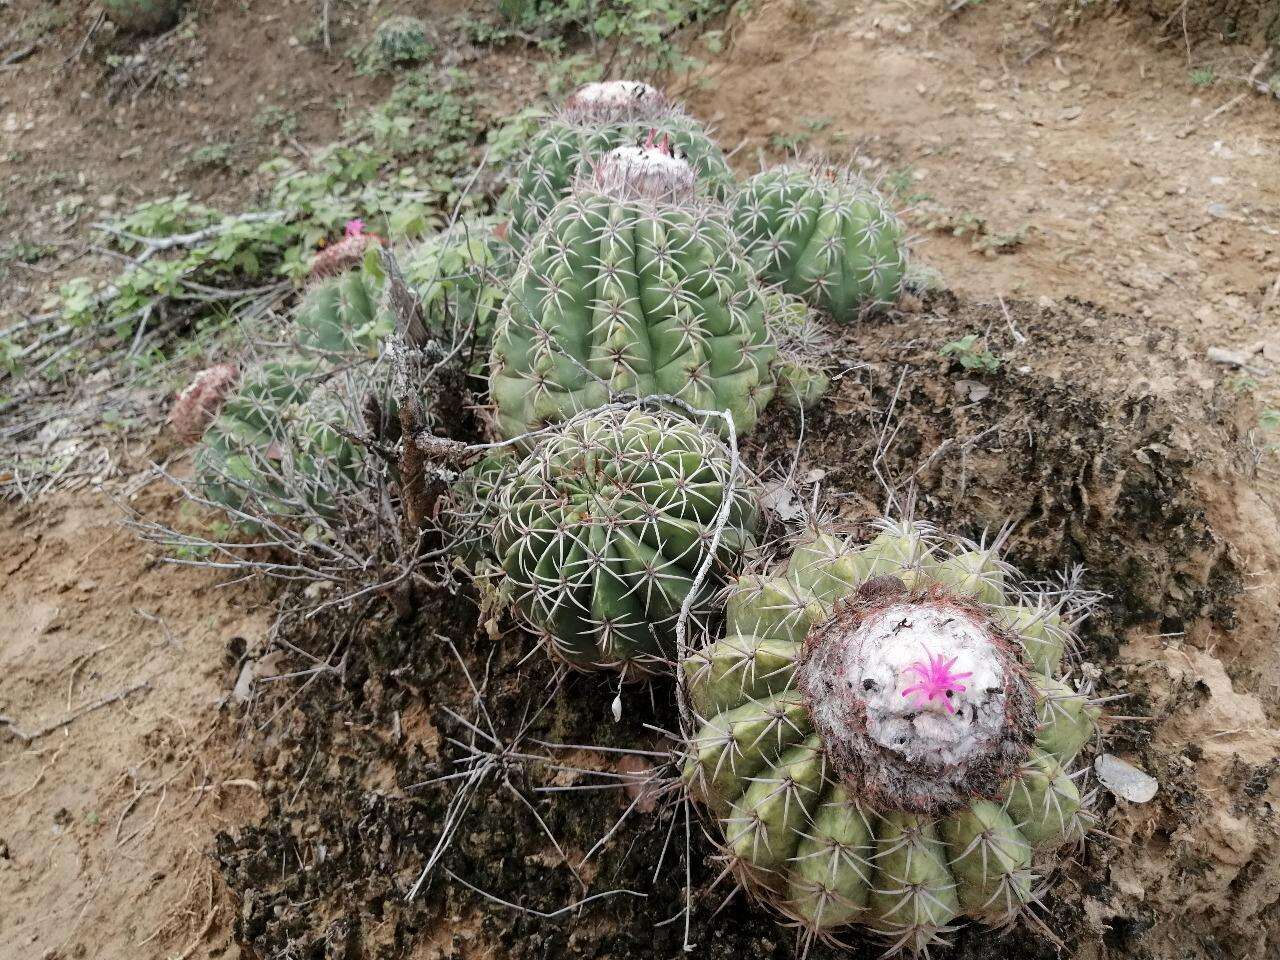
(885, 737)
(824, 234)
(597, 119)
(602, 531)
(631, 287)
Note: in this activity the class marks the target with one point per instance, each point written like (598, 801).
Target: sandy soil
(110, 816)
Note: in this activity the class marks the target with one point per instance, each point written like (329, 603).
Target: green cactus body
(397, 41)
(631, 288)
(568, 145)
(907, 840)
(143, 16)
(824, 235)
(342, 316)
(803, 366)
(602, 529)
(273, 450)
(461, 276)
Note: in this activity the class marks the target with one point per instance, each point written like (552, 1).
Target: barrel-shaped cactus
(824, 234)
(884, 737)
(595, 120)
(603, 529)
(341, 317)
(276, 449)
(143, 16)
(632, 287)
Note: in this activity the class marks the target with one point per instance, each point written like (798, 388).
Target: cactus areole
(883, 737)
(918, 698)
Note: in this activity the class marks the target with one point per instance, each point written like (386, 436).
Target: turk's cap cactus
(616, 524)
(881, 740)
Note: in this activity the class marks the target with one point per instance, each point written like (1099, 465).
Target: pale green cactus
(603, 528)
(340, 316)
(824, 234)
(885, 738)
(631, 288)
(802, 369)
(597, 119)
(275, 450)
(143, 16)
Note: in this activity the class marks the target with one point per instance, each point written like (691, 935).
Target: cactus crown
(594, 121)
(650, 172)
(886, 695)
(614, 98)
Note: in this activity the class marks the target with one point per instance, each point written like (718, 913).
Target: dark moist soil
(1089, 442)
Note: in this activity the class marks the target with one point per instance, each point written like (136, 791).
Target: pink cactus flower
(936, 680)
(345, 254)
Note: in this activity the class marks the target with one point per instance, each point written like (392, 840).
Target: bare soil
(1101, 224)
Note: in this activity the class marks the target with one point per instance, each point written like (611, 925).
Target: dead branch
(27, 738)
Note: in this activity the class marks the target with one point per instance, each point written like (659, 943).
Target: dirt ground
(1103, 221)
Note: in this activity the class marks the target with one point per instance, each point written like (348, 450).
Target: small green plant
(143, 16)
(1202, 77)
(971, 354)
(211, 156)
(277, 120)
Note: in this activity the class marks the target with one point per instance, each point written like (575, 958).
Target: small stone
(1058, 86)
(986, 84)
(1070, 113)
(1124, 779)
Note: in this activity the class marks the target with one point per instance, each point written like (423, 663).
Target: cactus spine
(597, 119)
(631, 288)
(882, 741)
(823, 234)
(602, 529)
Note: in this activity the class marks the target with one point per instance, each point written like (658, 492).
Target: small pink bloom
(355, 228)
(936, 680)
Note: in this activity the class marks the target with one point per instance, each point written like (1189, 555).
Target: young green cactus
(341, 316)
(143, 16)
(884, 737)
(823, 234)
(461, 276)
(603, 528)
(632, 287)
(397, 41)
(802, 369)
(595, 120)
